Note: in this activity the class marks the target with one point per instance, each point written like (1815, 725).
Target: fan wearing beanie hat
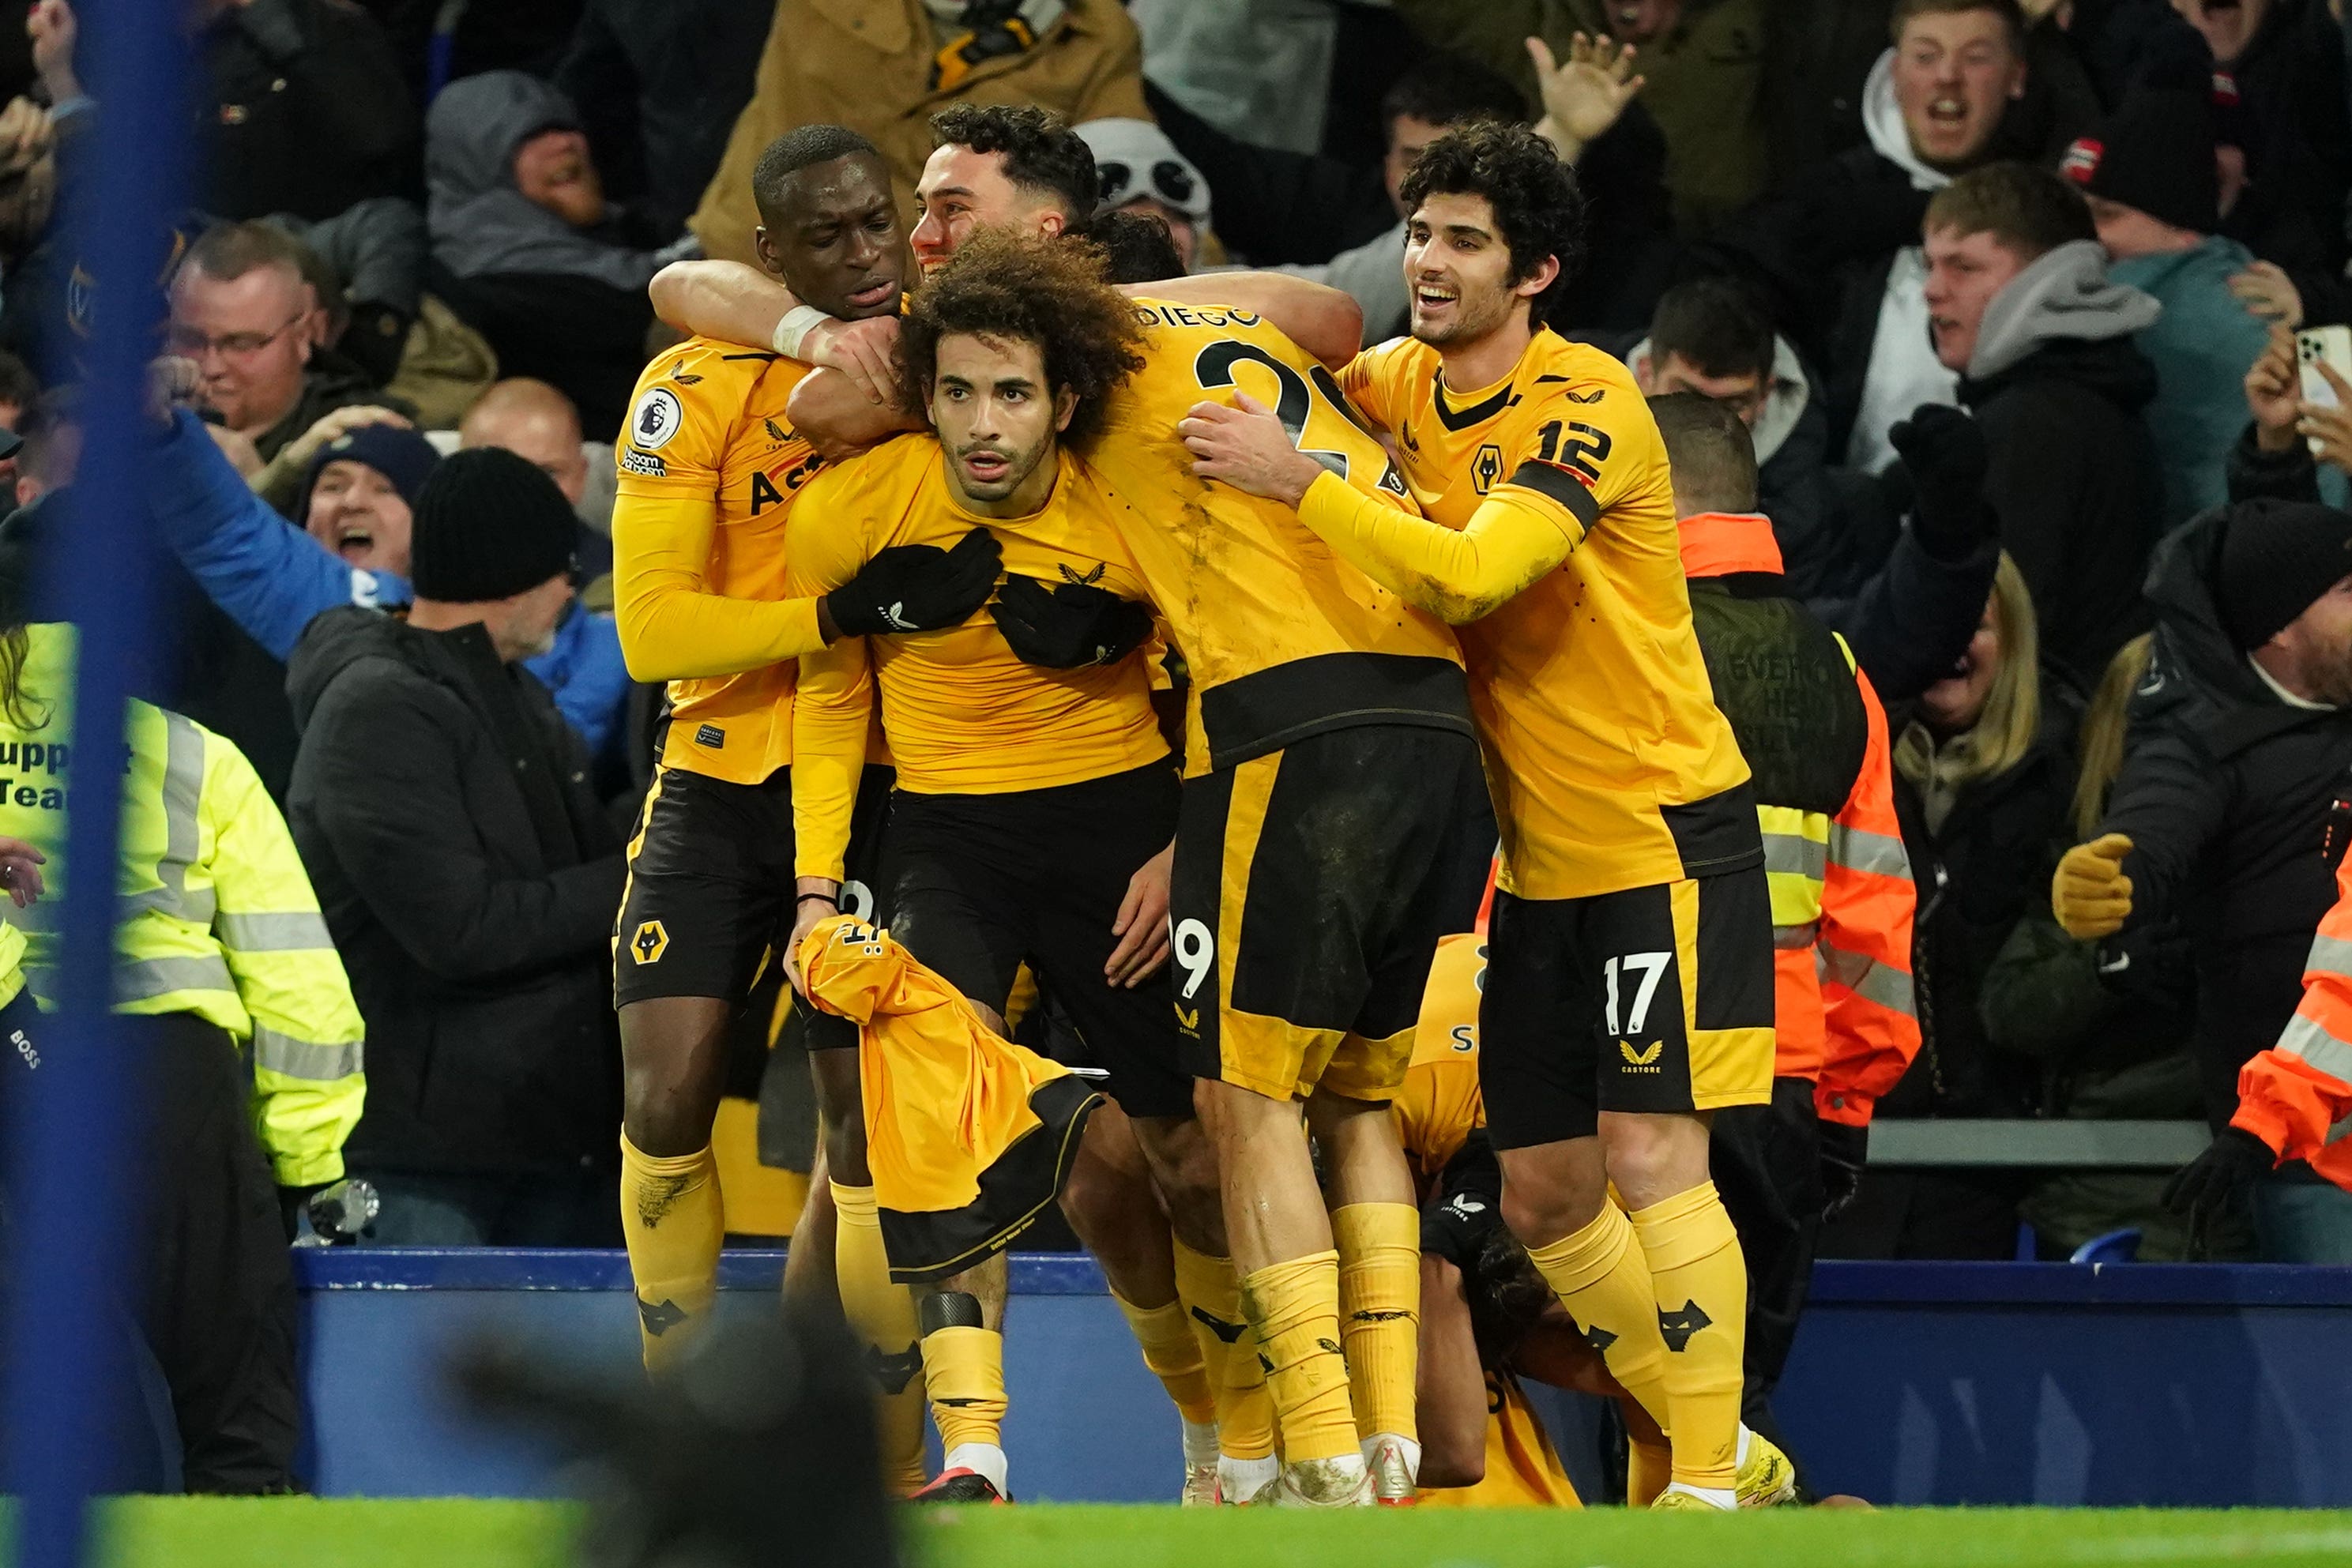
(493, 543)
(2283, 587)
(2153, 160)
(359, 495)
(2150, 178)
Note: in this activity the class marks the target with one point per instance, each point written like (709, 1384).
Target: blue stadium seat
(2115, 1247)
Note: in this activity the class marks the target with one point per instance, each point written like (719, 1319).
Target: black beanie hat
(403, 457)
(2277, 558)
(2155, 153)
(488, 526)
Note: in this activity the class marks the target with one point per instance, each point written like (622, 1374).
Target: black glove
(1944, 450)
(916, 588)
(1845, 1151)
(2218, 1186)
(1068, 625)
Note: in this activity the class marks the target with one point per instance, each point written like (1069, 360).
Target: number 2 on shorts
(1653, 966)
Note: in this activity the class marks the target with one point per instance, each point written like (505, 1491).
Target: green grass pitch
(174, 1533)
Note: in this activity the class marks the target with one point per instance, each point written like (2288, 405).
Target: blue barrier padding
(1835, 1283)
(2058, 1383)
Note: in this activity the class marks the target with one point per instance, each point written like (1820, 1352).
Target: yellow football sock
(1701, 1283)
(1211, 1296)
(1380, 1308)
(1294, 1308)
(964, 1369)
(1601, 1278)
(882, 1315)
(1174, 1357)
(1648, 1468)
(672, 1222)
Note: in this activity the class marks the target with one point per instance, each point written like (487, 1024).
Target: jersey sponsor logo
(1595, 395)
(648, 942)
(1486, 468)
(712, 735)
(1404, 433)
(1642, 1059)
(643, 463)
(792, 476)
(1678, 1326)
(657, 417)
(776, 432)
(1082, 580)
(679, 373)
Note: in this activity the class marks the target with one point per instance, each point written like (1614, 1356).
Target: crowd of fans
(2006, 294)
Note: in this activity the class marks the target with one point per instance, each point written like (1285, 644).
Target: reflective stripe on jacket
(2297, 1096)
(1841, 882)
(219, 916)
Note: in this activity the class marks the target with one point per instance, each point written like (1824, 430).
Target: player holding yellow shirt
(1034, 791)
(709, 470)
(1631, 988)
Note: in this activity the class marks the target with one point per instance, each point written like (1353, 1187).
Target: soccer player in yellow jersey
(1330, 769)
(1631, 988)
(709, 470)
(1035, 792)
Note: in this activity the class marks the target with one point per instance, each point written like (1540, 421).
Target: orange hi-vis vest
(969, 1137)
(2297, 1096)
(1842, 893)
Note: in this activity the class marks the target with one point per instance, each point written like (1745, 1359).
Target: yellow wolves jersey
(1284, 639)
(1611, 765)
(969, 1135)
(963, 714)
(709, 469)
(1438, 1108)
(1522, 1470)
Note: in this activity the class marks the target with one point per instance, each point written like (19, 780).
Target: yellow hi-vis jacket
(221, 919)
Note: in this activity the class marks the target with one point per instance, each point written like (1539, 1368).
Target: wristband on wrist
(793, 329)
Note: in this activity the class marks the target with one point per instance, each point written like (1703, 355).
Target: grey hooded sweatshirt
(2059, 390)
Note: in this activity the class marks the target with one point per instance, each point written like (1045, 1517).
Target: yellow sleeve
(308, 1082)
(833, 704)
(671, 457)
(670, 629)
(1509, 546)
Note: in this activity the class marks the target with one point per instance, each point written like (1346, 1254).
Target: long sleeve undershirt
(670, 628)
(1457, 577)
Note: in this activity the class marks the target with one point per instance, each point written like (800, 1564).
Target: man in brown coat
(883, 67)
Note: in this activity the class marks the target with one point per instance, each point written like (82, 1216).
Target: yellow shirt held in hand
(1283, 638)
(709, 468)
(1611, 765)
(965, 715)
(950, 1105)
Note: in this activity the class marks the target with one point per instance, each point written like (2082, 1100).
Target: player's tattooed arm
(1323, 320)
(1457, 577)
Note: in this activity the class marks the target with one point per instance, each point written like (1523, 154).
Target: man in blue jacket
(272, 579)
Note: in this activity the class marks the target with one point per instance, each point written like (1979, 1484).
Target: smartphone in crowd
(2330, 346)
